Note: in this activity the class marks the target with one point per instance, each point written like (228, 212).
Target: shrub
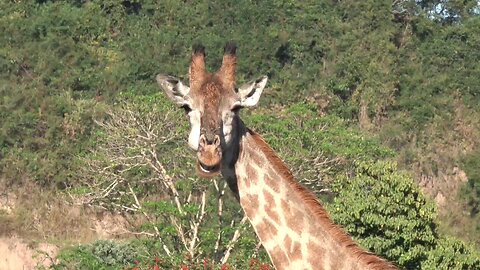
(451, 253)
(386, 212)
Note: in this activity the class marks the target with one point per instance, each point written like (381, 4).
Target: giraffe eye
(186, 108)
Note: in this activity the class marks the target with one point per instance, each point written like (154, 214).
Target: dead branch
(196, 225)
(220, 192)
(233, 241)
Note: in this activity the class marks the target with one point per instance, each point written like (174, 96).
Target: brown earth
(16, 253)
(35, 225)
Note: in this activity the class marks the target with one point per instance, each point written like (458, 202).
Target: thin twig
(233, 241)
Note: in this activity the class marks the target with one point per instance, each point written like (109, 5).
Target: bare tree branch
(233, 241)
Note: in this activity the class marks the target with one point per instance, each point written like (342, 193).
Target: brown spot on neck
(252, 176)
(250, 204)
(266, 230)
(280, 258)
(272, 183)
(270, 207)
(295, 251)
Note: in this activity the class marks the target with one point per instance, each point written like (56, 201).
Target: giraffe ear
(251, 91)
(174, 88)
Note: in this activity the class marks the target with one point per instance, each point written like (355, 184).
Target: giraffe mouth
(208, 161)
(207, 171)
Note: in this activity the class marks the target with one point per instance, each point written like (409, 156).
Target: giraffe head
(212, 102)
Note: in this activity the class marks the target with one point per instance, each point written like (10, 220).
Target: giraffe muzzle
(209, 156)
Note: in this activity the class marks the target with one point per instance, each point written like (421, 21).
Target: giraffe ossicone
(290, 222)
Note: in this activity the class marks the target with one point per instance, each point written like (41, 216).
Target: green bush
(111, 253)
(451, 253)
(102, 254)
(386, 212)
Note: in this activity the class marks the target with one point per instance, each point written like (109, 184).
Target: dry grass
(454, 220)
(31, 212)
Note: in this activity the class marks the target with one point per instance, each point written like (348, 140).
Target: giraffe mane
(317, 209)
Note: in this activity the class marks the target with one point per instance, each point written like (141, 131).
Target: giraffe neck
(291, 224)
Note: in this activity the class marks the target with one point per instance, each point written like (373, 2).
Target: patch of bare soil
(16, 254)
(31, 220)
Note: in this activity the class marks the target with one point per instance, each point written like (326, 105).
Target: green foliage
(386, 212)
(317, 149)
(102, 254)
(452, 253)
(141, 254)
(300, 128)
(111, 253)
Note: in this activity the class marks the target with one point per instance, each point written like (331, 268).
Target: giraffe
(290, 222)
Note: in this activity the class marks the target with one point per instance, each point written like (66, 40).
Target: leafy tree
(451, 253)
(386, 212)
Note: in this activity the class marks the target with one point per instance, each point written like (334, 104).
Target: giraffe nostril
(203, 141)
(216, 140)
(206, 140)
(209, 139)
